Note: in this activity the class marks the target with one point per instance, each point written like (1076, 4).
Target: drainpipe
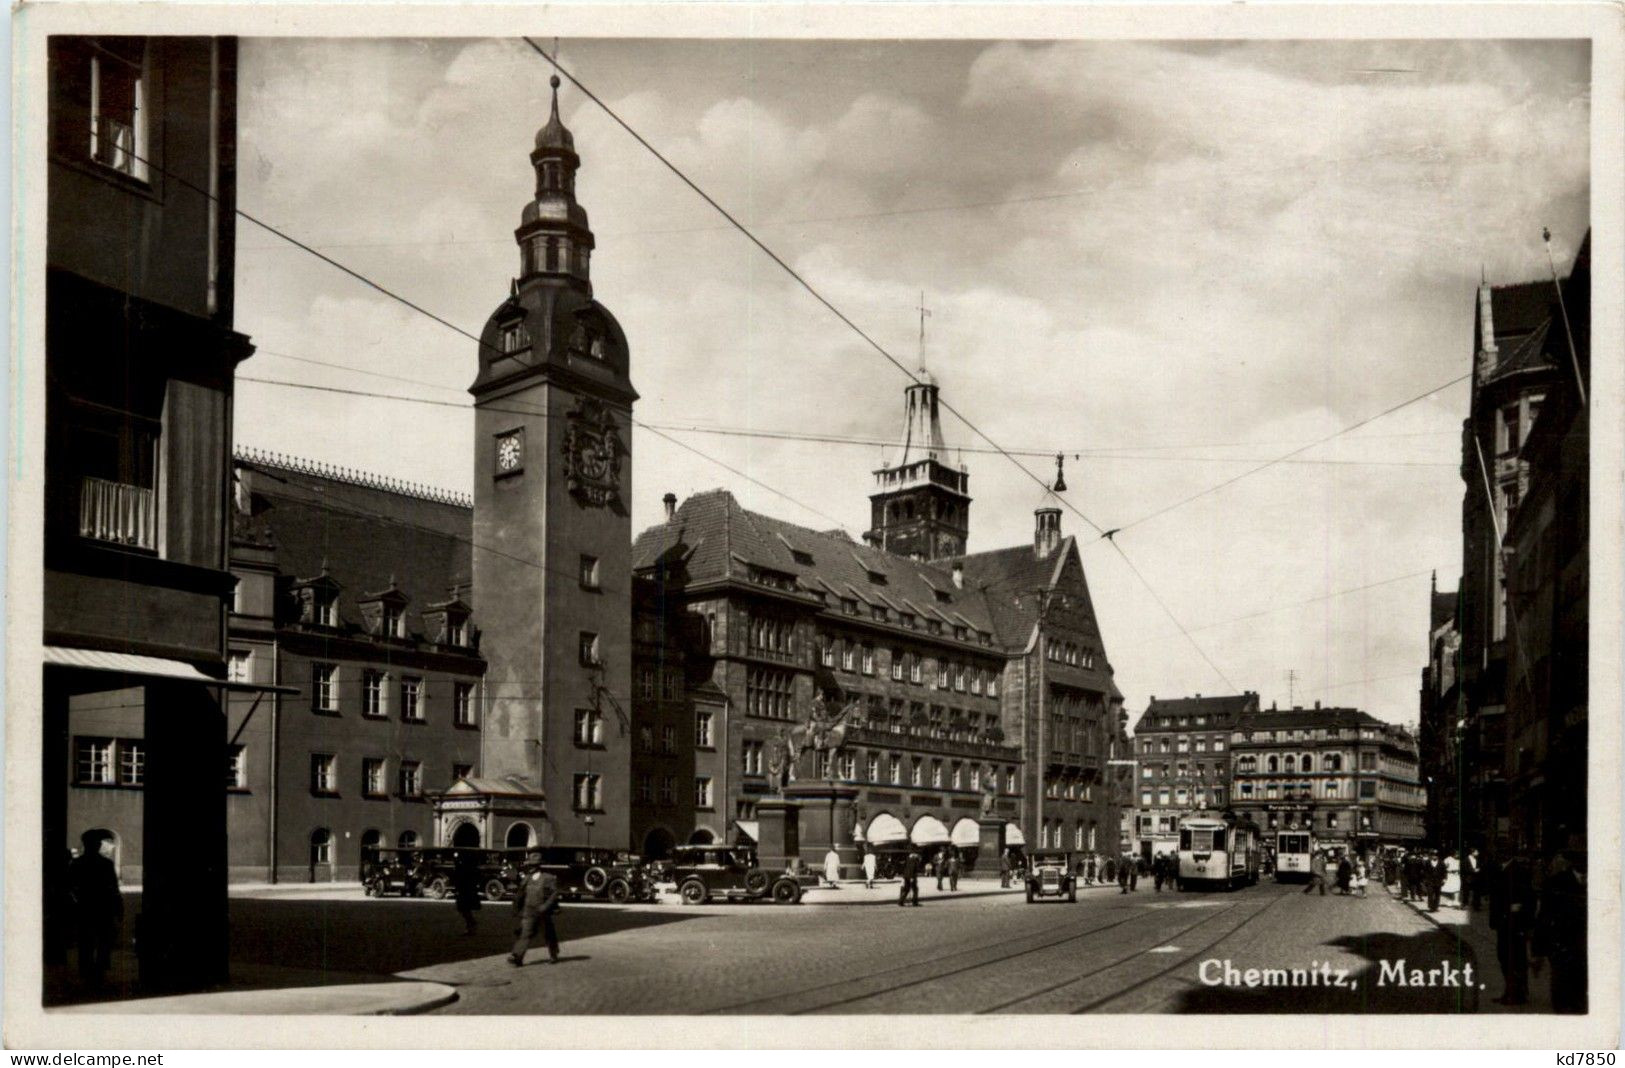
(276, 761)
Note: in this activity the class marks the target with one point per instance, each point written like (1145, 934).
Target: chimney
(1046, 531)
(670, 501)
(959, 575)
(1317, 706)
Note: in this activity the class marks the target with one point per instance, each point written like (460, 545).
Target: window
(1506, 439)
(93, 761)
(589, 572)
(848, 656)
(668, 789)
(1368, 790)
(589, 728)
(976, 680)
(1331, 821)
(671, 685)
(323, 773)
(461, 771)
(959, 677)
(753, 756)
(993, 684)
(1272, 765)
(236, 767)
(769, 693)
(871, 768)
(1146, 771)
(462, 704)
(372, 778)
(411, 699)
(644, 789)
(515, 337)
(646, 739)
(958, 778)
(1307, 763)
(826, 653)
(936, 773)
(868, 659)
(372, 693)
(239, 666)
(1201, 745)
(895, 768)
(916, 774)
(393, 624)
(646, 682)
(321, 846)
(1218, 745)
(877, 612)
(702, 729)
(942, 674)
(324, 688)
(897, 665)
(588, 648)
(118, 108)
(1368, 762)
(702, 792)
(411, 779)
(588, 794)
(848, 765)
(668, 739)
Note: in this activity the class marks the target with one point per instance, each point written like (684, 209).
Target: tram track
(1183, 960)
(912, 970)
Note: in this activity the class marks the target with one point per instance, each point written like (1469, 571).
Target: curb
(400, 998)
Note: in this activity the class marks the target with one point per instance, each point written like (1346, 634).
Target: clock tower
(552, 528)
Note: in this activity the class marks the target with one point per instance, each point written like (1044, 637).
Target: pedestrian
(1413, 875)
(1159, 870)
(1470, 869)
(1122, 876)
(98, 904)
(940, 864)
(534, 905)
(1451, 889)
(870, 863)
(1317, 873)
(465, 887)
(1512, 912)
(1434, 873)
(954, 865)
(832, 867)
(1560, 934)
(1090, 867)
(911, 880)
(1345, 875)
(1004, 870)
(1360, 876)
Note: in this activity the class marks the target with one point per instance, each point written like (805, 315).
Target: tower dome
(554, 135)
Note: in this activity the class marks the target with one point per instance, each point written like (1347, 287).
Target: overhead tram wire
(793, 273)
(1216, 487)
(1171, 617)
(392, 295)
(871, 342)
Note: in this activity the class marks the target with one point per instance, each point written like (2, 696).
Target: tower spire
(554, 238)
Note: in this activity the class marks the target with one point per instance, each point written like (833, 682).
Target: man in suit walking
(911, 879)
(98, 904)
(534, 905)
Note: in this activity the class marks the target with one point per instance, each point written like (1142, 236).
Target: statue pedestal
(828, 818)
(990, 847)
(778, 820)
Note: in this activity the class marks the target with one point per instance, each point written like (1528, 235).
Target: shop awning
(928, 830)
(967, 832)
(886, 829)
(150, 667)
(1013, 835)
(749, 829)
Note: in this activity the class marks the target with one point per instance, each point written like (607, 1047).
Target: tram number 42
(1580, 1060)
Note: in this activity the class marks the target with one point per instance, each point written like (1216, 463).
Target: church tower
(552, 528)
(921, 507)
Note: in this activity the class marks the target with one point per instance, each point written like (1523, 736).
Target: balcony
(119, 513)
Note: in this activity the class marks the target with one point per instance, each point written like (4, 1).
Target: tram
(1293, 849)
(1217, 852)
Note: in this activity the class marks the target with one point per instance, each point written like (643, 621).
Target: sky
(1169, 261)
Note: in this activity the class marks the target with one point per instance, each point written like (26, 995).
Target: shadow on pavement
(1372, 989)
(277, 943)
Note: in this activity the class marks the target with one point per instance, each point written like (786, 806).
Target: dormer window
(515, 337)
(393, 622)
(383, 614)
(943, 597)
(877, 577)
(327, 611)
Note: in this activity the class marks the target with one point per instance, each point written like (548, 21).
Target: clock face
(510, 453)
(594, 464)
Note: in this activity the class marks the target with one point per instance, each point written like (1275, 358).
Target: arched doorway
(466, 836)
(702, 836)
(520, 836)
(657, 844)
(321, 855)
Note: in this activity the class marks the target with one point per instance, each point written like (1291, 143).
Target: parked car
(387, 871)
(703, 872)
(1050, 874)
(597, 874)
(435, 866)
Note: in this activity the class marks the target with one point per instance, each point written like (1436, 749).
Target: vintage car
(387, 871)
(703, 872)
(435, 867)
(597, 874)
(1050, 873)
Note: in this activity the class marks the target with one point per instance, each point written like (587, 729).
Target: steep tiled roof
(365, 535)
(1443, 609)
(1528, 353)
(715, 537)
(1220, 708)
(1008, 578)
(1520, 308)
(1270, 719)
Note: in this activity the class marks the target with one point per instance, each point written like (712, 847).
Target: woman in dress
(1451, 890)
